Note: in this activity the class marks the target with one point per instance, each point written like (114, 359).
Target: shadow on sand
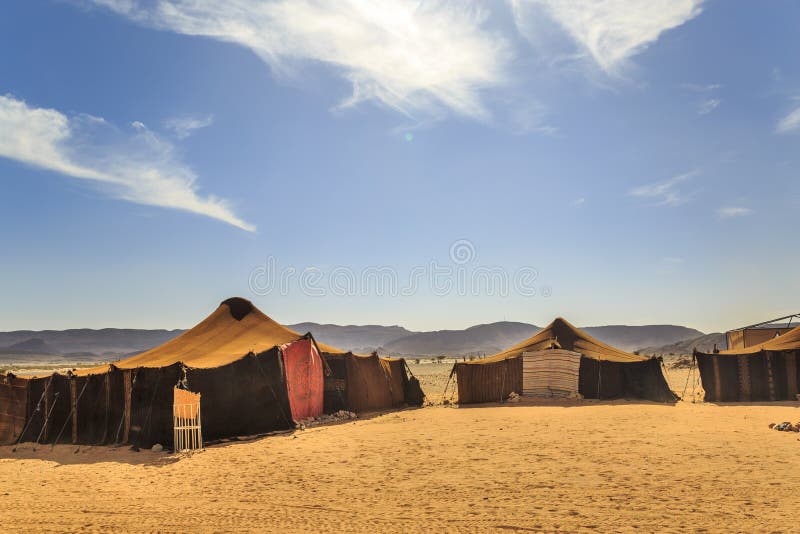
(65, 454)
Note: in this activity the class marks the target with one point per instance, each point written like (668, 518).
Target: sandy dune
(551, 466)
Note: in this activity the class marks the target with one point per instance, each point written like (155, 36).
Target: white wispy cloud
(418, 58)
(139, 167)
(707, 106)
(733, 211)
(789, 122)
(183, 127)
(609, 31)
(666, 193)
(701, 88)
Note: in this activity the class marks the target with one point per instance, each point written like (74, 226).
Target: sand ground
(606, 466)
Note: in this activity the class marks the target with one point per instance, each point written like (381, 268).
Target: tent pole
(69, 416)
(35, 411)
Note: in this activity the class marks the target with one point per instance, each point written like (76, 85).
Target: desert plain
(532, 466)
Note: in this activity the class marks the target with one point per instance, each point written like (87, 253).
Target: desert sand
(543, 466)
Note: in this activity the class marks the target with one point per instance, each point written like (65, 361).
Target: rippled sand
(603, 466)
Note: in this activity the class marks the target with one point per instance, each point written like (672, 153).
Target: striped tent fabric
(551, 373)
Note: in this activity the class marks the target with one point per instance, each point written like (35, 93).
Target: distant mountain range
(82, 344)
(111, 343)
(475, 340)
(495, 337)
(364, 338)
(704, 343)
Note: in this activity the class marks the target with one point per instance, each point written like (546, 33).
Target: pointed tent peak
(569, 337)
(239, 307)
(232, 331)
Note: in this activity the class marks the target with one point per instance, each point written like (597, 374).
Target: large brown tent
(764, 372)
(605, 372)
(254, 375)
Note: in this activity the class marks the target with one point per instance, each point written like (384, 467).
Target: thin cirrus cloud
(185, 126)
(610, 32)
(666, 193)
(790, 122)
(140, 167)
(421, 59)
(733, 211)
(707, 106)
(418, 59)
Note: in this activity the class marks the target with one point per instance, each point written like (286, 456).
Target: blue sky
(640, 157)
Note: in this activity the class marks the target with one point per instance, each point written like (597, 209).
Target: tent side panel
(728, 378)
(242, 398)
(413, 395)
(780, 376)
(396, 370)
(305, 378)
(645, 380)
(335, 397)
(757, 371)
(151, 405)
(488, 382)
(607, 376)
(92, 406)
(13, 408)
(368, 386)
(60, 417)
(792, 378)
(116, 406)
(706, 369)
(38, 388)
(720, 377)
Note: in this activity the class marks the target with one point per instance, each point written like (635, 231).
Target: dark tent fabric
(367, 383)
(491, 381)
(242, 363)
(765, 372)
(245, 397)
(13, 407)
(605, 371)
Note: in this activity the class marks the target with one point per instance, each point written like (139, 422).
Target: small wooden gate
(551, 373)
(186, 421)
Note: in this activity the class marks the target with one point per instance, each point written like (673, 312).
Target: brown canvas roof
(235, 329)
(788, 341)
(564, 335)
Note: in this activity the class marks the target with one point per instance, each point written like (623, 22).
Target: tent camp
(564, 361)
(252, 374)
(764, 372)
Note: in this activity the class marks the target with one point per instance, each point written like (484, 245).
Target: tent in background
(604, 371)
(757, 334)
(764, 372)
